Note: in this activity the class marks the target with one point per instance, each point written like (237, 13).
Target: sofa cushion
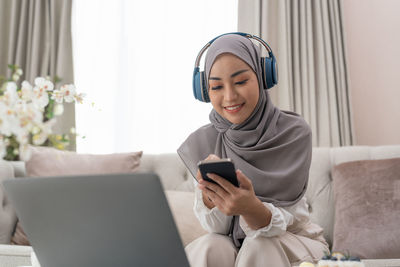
(367, 208)
(181, 205)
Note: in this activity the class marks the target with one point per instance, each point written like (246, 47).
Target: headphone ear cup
(263, 72)
(274, 70)
(200, 91)
(268, 72)
(204, 87)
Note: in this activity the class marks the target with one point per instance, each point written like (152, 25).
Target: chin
(235, 120)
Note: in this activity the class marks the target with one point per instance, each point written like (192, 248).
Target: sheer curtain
(134, 60)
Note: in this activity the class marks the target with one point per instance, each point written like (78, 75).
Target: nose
(230, 93)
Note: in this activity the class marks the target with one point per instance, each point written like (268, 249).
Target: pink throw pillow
(47, 161)
(367, 208)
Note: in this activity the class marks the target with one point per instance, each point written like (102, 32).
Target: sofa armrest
(19, 168)
(8, 217)
(12, 256)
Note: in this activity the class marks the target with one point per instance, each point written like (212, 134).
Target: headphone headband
(250, 36)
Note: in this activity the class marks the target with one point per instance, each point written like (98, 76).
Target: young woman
(264, 221)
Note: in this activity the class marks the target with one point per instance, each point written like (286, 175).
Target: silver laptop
(96, 221)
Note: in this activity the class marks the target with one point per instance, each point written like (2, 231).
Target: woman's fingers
(215, 198)
(212, 157)
(225, 184)
(215, 188)
(198, 176)
(244, 182)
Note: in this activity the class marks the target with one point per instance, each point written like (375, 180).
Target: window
(135, 60)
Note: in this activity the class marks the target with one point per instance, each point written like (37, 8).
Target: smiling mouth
(234, 108)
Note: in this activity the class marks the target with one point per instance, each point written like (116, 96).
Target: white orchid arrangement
(27, 114)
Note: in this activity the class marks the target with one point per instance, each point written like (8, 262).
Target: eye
(216, 87)
(242, 82)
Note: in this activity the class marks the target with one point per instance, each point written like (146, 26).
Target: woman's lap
(284, 250)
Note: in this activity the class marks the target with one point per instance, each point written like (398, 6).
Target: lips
(234, 108)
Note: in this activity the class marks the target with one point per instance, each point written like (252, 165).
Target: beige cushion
(367, 208)
(181, 204)
(170, 168)
(47, 161)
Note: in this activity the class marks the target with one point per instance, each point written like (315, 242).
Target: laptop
(99, 220)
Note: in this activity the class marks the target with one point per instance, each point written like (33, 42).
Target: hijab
(271, 147)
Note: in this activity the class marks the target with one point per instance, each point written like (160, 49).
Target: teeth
(233, 108)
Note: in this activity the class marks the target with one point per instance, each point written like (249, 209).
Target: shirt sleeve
(281, 219)
(212, 220)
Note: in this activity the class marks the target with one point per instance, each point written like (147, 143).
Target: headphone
(268, 66)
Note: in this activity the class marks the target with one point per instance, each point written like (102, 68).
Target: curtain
(36, 35)
(307, 39)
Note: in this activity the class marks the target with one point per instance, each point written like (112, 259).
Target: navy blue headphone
(268, 64)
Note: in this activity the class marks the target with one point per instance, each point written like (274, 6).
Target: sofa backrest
(175, 176)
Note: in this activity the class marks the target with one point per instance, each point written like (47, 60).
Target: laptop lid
(102, 220)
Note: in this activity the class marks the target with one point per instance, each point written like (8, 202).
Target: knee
(212, 249)
(266, 243)
(213, 242)
(261, 251)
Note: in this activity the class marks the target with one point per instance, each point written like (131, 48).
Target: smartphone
(222, 167)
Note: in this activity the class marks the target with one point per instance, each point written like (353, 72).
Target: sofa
(178, 185)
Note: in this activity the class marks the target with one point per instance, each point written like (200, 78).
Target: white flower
(11, 86)
(6, 119)
(79, 97)
(26, 91)
(3, 146)
(45, 131)
(35, 130)
(22, 112)
(10, 95)
(58, 110)
(25, 152)
(58, 96)
(40, 97)
(23, 138)
(69, 92)
(26, 117)
(44, 84)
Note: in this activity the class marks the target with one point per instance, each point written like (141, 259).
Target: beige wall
(372, 30)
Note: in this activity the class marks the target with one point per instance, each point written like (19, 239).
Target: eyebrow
(233, 75)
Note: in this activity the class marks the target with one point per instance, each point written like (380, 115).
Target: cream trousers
(214, 250)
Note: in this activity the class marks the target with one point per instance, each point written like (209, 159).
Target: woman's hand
(206, 200)
(232, 200)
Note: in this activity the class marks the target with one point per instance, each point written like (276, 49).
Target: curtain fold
(36, 35)
(307, 39)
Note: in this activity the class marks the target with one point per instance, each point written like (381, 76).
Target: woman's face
(233, 88)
